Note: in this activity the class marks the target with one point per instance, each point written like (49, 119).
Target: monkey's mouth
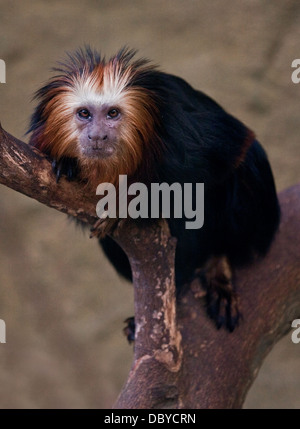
(98, 151)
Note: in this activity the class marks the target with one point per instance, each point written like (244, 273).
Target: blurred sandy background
(62, 303)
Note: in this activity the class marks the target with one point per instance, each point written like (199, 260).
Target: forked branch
(181, 360)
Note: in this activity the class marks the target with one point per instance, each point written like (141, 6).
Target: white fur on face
(86, 90)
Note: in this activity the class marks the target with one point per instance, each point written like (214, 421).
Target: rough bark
(213, 368)
(26, 170)
(180, 359)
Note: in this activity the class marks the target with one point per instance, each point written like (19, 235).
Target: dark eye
(84, 114)
(113, 114)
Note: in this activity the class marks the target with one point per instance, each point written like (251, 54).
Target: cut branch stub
(151, 251)
(156, 332)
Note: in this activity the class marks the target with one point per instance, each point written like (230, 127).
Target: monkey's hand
(103, 226)
(65, 167)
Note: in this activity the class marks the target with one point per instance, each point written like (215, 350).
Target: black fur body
(202, 143)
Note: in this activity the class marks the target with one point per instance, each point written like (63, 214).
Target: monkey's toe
(129, 330)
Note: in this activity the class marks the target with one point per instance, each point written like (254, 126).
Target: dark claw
(129, 330)
(70, 173)
(56, 170)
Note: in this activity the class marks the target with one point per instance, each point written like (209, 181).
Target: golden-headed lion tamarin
(98, 119)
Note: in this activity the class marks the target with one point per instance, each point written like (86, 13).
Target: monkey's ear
(66, 167)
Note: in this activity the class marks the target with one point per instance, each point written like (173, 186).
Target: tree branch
(180, 359)
(27, 170)
(210, 368)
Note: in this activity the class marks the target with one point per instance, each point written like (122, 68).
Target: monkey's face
(100, 114)
(98, 130)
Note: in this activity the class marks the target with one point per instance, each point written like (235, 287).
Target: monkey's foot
(222, 299)
(129, 330)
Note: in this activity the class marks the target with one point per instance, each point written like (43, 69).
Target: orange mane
(87, 77)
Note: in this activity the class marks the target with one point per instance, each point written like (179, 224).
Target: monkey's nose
(97, 137)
